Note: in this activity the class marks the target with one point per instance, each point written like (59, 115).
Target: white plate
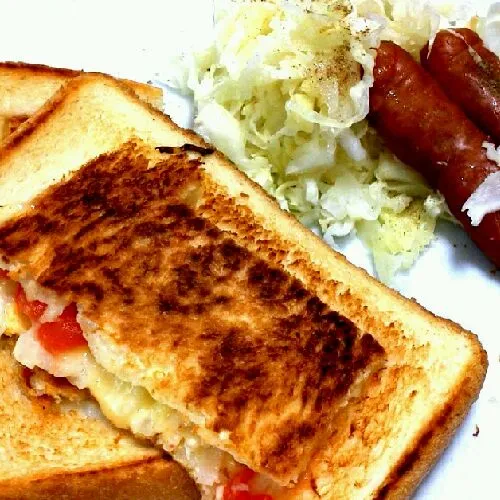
(452, 279)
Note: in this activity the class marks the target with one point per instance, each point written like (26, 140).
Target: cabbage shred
(282, 90)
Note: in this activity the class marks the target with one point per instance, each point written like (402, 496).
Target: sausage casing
(427, 131)
(469, 74)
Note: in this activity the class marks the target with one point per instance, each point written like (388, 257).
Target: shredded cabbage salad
(282, 89)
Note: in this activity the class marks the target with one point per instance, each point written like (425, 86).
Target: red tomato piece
(246, 495)
(34, 309)
(238, 487)
(62, 335)
(4, 274)
(243, 476)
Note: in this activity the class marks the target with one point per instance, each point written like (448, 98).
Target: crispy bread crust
(13, 122)
(27, 69)
(41, 383)
(26, 87)
(155, 479)
(415, 339)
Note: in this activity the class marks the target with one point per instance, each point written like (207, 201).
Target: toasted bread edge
(33, 122)
(22, 70)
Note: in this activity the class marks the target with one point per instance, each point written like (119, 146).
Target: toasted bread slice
(49, 450)
(139, 216)
(26, 87)
(414, 403)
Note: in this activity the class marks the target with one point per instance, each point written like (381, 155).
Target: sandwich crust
(154, 479)
(156, 255)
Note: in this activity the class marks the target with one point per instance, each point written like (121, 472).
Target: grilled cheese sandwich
(326, 348)
(72, 448)
(412, 402)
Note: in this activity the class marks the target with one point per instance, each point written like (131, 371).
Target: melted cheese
(132, 407)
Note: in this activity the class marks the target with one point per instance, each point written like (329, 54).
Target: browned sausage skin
(424, 129)
(469, 74)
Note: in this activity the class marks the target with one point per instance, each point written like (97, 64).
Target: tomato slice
(4, 274)
(34, 309)
(62, 335)
(238, 487)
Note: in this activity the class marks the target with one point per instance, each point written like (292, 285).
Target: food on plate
(289, 109)
(24, 88)
(142, 223)
(69, 450)
(282, 89)
(469, 75)
(442, 144)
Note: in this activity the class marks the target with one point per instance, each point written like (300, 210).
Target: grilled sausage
(469, 74)
(429, 132)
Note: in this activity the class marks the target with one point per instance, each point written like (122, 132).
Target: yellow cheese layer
(132, 407)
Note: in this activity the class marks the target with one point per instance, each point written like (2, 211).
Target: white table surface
(452, 279)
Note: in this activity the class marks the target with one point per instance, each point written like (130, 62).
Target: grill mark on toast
(14, 122)
(121, 231)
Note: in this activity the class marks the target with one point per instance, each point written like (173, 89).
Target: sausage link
(469, 74)
(427, 131)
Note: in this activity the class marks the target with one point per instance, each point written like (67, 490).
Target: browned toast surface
(155, 255)
(414, 403)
